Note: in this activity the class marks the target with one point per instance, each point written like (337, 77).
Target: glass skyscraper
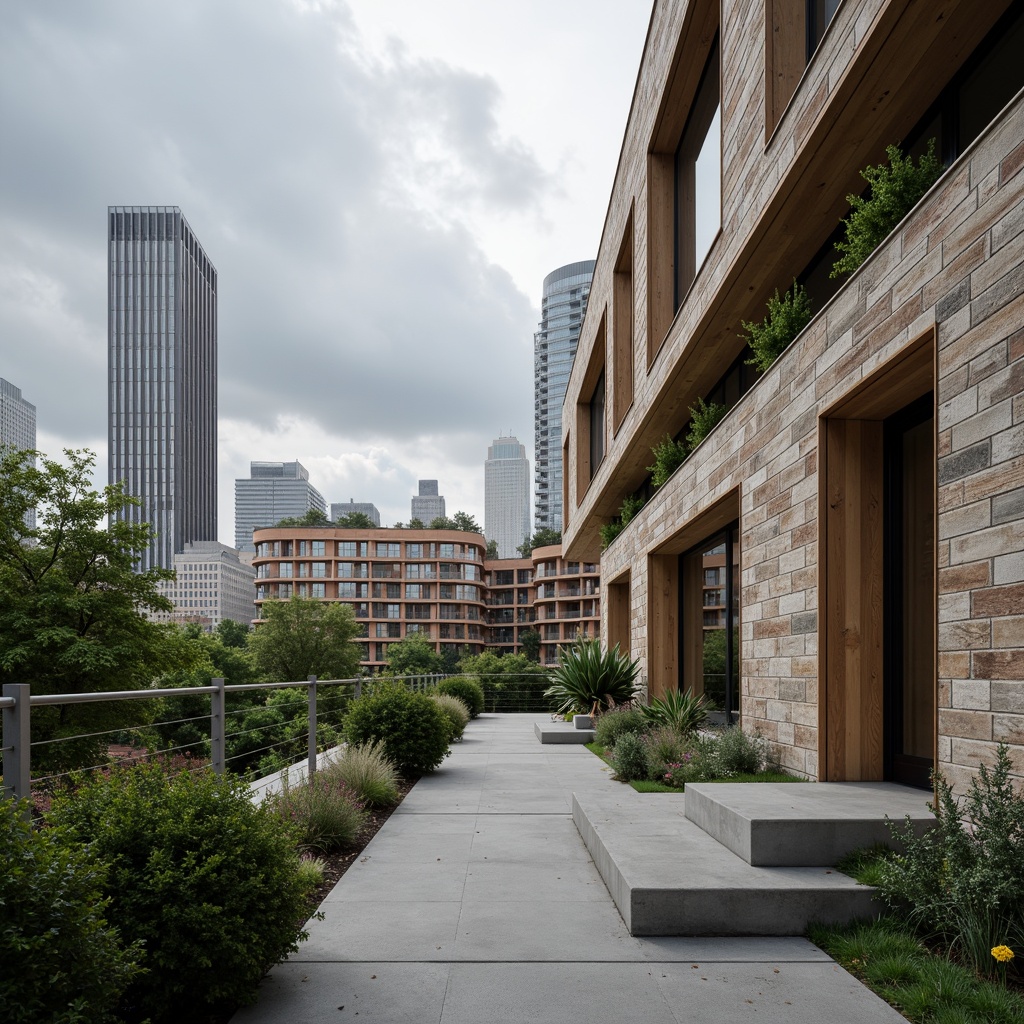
(18, 428)
(507, 495)
(162, 376)
(554, 345)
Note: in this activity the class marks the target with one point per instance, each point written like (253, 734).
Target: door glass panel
(918, 582)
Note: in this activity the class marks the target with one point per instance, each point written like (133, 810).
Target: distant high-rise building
(345, 508)
(18, 428)
(507, 495)
(274, 491)
(563, 305)
(162, 379)
(428, 504)
(212, 584)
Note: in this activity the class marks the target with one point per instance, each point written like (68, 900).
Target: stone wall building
(861, 505)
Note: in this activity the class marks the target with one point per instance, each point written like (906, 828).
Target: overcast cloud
(381, 186)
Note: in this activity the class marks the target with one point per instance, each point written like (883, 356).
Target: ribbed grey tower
(562, 307)
(162, 374)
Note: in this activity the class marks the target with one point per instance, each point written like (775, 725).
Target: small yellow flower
(1002, 953)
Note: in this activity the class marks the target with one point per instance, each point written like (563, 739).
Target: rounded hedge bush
(411, 727)
(62, 961)
(455, 712)
(469, 691)
(629, 758)
(205, 878)
(617, 722)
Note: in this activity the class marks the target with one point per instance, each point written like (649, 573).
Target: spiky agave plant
(587, 677)
(679, 710)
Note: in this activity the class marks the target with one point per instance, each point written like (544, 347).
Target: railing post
(218, 727)
(18, 737)
(311, 680)
(357, 690)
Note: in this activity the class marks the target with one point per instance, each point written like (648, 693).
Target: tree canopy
(355, 521)
(460, 521)
(313, 517)
(413, 655)
(492, 549)
(303, 637)
(541, 539)
(72, 605)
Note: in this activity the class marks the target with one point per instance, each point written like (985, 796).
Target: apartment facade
(567, 600)
(162, 376)
(860, 504)
(434, 583)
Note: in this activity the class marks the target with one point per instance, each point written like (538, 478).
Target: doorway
(909, 581)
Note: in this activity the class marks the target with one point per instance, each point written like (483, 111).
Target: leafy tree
(464, 521)
(355, 521)
(72, 615)
(529, 640)
(442, 523)
(313, 517)
(233, 634)
(543, 538)
(413, 655)
(303, 637)
(416, 524)
(511, 682)
(491, 551)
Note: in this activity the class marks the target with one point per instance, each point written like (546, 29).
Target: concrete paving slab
(770, 994)
(570, 993)
(543, 930)
(413, 930)
(513, 943)
(358, 992)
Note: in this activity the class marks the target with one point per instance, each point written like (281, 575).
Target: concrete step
(803, 824)
(561, 732)
(667, 876)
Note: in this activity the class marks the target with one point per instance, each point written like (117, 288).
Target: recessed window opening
(597, 426)
(698, 178)
(819, 14)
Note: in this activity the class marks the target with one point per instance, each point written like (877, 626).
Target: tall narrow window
(698, 178)
(819, 14)
(597, 426)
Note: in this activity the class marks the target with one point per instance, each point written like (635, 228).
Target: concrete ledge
(561, 732)
(669, 877)
(811, 824)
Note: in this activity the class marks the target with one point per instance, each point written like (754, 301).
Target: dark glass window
(698, 178)
(597, 426)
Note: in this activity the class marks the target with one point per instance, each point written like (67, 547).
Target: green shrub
(669, 455)
(208, 881)
(679, 710)
(666, 747)
(627, 510)
(965, 883)
(455, 712)
(325, 813)
(629, 758)
(613, 724)
(896, 188)
(587, 677)
(741, 753)
(704, 417)
(787, 317)
(410, 725)
(367, 771)
(62, 961)
(469, 691)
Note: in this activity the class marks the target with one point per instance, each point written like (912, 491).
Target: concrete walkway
(477, 903)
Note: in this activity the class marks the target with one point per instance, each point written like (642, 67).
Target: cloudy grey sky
(381, 184)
